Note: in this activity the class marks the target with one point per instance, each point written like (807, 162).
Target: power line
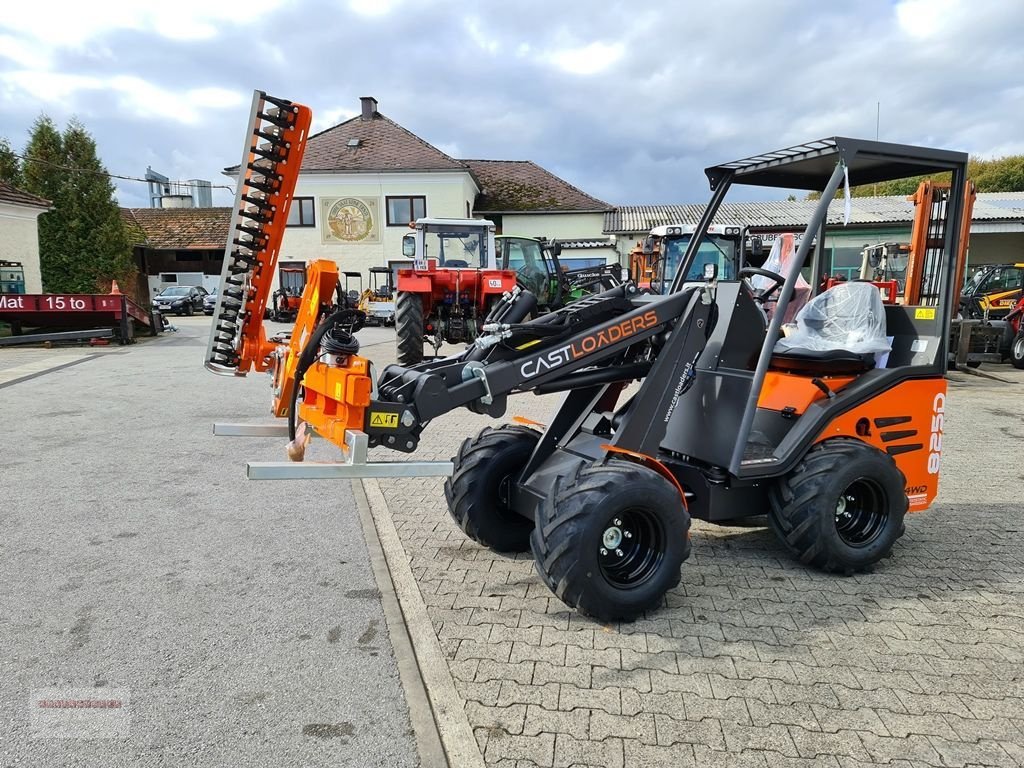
(109, 175)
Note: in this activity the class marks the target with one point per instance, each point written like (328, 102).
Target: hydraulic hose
(308, 356)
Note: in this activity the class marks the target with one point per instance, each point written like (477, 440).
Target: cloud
(589, 59)
(71, 22)
(372, 7)
(926, 18)
(136, 97)
(629, 103)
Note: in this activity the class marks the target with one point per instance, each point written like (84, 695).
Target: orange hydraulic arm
(274, 146)
(965, 234)
(335, 386)
(927, 240)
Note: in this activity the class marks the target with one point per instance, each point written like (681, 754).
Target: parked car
(180, 299)
(209, 303)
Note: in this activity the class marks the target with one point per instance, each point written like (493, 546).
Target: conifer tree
(83, 242)
(10, 165)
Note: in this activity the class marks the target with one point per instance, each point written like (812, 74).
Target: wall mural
(349, 220)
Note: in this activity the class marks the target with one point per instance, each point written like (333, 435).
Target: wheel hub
(841, 507)
(612, 537)
(861, 513)
(632, 547)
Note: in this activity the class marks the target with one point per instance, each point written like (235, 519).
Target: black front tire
(409, 328)
(842, 508)
(478, 490)
(1017, 352)
(189, 310)
(610, 541)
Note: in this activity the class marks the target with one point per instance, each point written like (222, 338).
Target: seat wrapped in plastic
(848, 317)
(782, 253)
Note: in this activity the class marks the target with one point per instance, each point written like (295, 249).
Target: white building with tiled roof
(19, 240)
(364, 180)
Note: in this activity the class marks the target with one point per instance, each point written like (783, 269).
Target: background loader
(833, 427)
(654, 262)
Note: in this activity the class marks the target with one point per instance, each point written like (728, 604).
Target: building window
(301, 212)
(402, 210)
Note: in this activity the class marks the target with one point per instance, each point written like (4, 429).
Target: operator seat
(838, 332)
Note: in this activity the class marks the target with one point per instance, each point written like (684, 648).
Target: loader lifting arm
(320, 380)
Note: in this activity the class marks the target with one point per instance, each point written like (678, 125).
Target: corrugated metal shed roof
(990, 206)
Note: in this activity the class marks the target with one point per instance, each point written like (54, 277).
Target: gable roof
(371, 142)
(11, 194)
(384, 145)
(522, 185)
(895, 209)
(179, 228)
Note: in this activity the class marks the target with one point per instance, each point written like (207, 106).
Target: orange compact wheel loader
(832, 427)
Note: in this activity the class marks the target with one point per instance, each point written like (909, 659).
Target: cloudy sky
(627, 100)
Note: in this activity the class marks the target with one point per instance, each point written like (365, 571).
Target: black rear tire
(610, 541)
(409, 328)
(842, 508)
(478, 490)
(1017, 351)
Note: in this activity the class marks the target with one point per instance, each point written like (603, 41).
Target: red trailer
(80, 315)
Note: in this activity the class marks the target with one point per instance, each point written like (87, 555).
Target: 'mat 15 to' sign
(57, 302)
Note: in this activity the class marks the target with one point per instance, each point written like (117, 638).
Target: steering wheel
(777, 280)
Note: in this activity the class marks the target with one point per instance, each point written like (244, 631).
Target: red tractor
(461, 269)
(450, 286)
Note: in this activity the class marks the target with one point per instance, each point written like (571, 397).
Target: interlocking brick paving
(754, 659)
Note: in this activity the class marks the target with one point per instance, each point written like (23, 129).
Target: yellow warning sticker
(384, 420)
(924, 313)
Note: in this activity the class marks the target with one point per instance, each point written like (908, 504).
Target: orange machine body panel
(320, 285)
(787, 390)
(335, 398)
(335, 391)
(907, 423)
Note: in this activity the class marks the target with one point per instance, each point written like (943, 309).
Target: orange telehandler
(834, 428)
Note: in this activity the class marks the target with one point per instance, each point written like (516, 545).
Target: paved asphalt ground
(239, 622)
(242, 622)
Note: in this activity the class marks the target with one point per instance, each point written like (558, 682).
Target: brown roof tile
(522, 185)
(180, 228)
(384, 145)
(11, 194)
